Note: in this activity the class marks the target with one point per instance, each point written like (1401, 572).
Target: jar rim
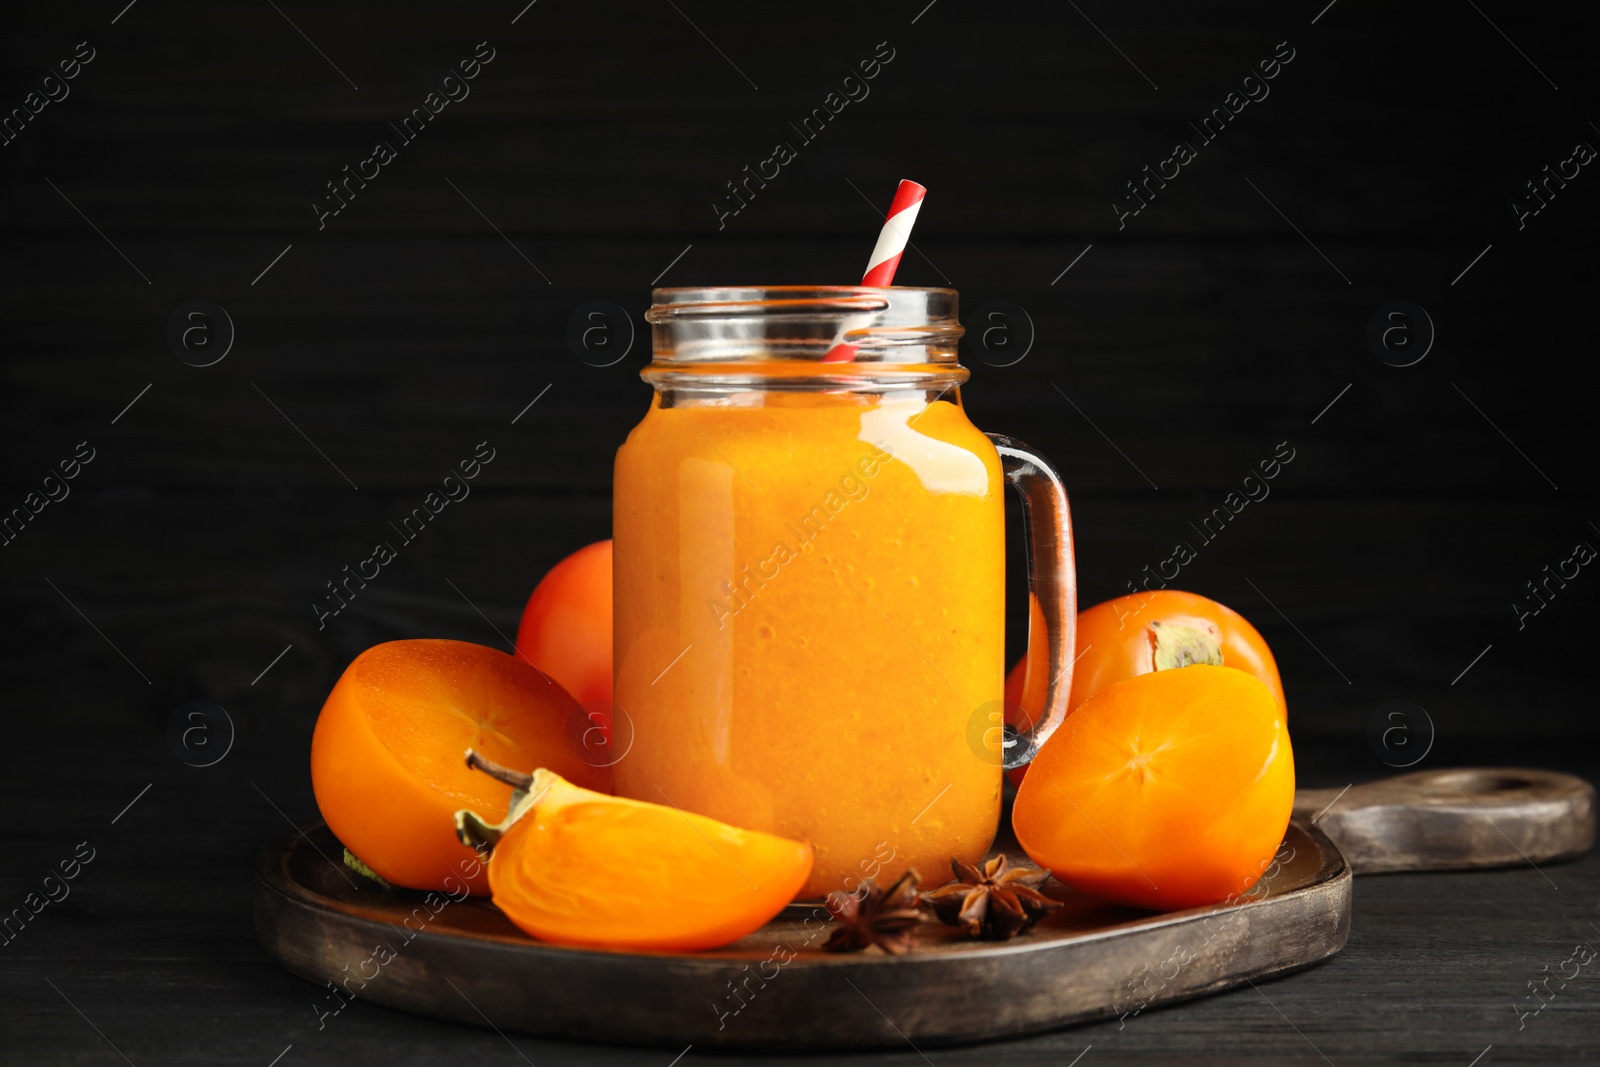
(930, 304)
(793, 336)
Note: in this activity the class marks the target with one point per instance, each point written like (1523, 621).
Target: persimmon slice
(386, 754)
(1168, 790)
(576, 867)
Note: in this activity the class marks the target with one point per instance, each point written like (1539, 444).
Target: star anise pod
(887, 918)
(995, 902)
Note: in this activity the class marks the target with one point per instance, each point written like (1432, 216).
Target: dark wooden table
(153, 954)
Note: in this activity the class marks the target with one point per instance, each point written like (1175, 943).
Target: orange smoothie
(809, 622)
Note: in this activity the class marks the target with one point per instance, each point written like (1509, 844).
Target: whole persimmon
(1140, 633)
(386, 753)
(566, 628)
(1167, 790)
(575, 867)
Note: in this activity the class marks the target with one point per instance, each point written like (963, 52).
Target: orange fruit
(1164, 628)
(566, 629)
(576, 867)
(1167, 790)
(1139, 633)
(387, 754)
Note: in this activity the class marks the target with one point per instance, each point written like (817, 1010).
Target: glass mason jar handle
(1052, 587)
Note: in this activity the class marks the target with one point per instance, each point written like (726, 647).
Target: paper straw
(885, 258)
(894, 235)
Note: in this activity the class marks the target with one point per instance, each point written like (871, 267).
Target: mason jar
(810, 579)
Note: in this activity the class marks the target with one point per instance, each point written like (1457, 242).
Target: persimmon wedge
(1167, 790)
(575, 867)
(386, 754)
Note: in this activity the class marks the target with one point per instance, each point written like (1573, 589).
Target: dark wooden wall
(1190, 342)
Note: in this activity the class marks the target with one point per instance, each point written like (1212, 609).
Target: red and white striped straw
(894, 235)
(892, 240)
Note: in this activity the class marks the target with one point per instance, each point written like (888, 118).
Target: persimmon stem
(499, 772)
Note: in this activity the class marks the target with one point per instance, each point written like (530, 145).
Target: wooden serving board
(1456, 819)
(463, 960)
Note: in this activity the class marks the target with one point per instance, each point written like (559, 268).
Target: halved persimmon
(386, 754)
(1167, 790)
(575, 867)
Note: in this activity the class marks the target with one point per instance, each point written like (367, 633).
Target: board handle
(1455, 819)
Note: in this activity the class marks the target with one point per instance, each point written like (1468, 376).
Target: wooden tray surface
(464, 961)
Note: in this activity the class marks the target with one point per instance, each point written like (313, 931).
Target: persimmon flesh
(582, 868)
(1167, 790)
(386, 753)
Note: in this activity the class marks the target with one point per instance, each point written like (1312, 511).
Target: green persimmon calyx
(1182, 644)
(352, 861)
(526, 790)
